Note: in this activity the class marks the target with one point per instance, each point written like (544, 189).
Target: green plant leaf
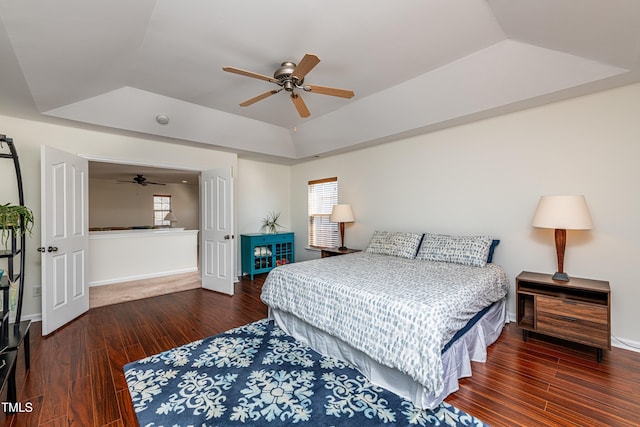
(16, 217)
(270, 223)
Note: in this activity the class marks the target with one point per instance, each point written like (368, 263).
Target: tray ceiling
(415, 65)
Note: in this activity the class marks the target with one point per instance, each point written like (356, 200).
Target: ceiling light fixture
(162, 119)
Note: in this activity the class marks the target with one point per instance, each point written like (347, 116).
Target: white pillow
(404, 245)
(465, 250)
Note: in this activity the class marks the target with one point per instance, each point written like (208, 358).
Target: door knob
(52, 249)
(227, 237)
(41, 249)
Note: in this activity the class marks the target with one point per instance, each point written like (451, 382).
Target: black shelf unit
(16, 251)
(14, 335)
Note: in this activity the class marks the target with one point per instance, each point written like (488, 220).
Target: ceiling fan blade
(300, 105)
(323, 90)
(306, 64)
(259, 97)
(249, 74)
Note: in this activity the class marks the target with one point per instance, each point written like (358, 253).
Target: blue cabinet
(263, 252)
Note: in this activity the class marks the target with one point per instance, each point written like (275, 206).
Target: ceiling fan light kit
(290, 77)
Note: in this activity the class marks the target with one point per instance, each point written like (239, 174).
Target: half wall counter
(123, 255)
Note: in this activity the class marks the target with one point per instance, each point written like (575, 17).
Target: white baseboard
(141, 277)
(625, 344)
(33, 317)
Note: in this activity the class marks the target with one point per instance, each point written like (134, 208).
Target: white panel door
(216, 237)
(65, 238)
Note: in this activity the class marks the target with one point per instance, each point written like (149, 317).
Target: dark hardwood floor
(76, 374)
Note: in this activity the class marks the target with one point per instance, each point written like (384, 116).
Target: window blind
(323, 195)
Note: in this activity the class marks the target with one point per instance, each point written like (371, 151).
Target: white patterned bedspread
(401, 312)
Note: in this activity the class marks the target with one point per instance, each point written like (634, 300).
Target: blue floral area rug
(257, 375)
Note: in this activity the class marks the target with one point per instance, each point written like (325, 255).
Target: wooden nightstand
(326, 252)
(578, 310)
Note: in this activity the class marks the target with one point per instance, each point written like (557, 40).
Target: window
(161, 207)
(323, 194)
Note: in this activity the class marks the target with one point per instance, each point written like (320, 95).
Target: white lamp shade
(563, 212)
(342, 213)
(170, 217)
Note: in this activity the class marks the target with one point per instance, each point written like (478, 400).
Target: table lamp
(171, 218)
(562, 213)
(342, 214)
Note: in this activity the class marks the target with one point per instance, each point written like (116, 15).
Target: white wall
(30, 135)
(261, 188)
(486, 178)
(113, 204)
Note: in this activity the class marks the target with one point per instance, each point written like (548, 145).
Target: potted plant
(10, 216)
(270, 223)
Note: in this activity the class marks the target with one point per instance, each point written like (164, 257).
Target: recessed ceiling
(415, 65)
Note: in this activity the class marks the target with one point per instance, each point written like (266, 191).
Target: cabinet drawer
(593, 313)
(573, 329)
(271, 238)
(281, 238)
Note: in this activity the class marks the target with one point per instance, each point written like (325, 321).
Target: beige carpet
(138, 289)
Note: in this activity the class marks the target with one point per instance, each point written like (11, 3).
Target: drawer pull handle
(570, 319)
(566, 301)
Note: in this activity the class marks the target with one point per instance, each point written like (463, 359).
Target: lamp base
(561, 277)
(342, 248)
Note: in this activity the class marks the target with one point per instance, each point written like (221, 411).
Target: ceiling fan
(141, 180)
(290, 77)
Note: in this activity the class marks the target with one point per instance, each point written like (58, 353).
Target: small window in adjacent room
(161, 207)
(323, 194)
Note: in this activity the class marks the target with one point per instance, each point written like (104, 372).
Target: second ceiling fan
(141, 180)
(290, 77)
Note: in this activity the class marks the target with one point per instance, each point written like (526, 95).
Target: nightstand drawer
(577, 310)
(574, 329)
(592, 313)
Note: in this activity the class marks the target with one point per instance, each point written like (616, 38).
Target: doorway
(65, 181)
(121, 200)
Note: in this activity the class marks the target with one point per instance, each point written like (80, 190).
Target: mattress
(470, 345)
(399, 312)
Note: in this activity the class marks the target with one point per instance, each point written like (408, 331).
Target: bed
(410, 312)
